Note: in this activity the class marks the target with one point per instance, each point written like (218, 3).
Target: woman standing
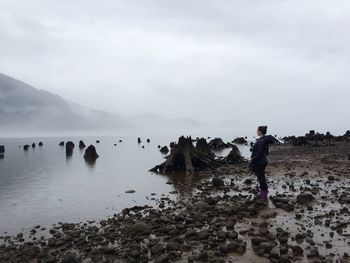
(259, 162)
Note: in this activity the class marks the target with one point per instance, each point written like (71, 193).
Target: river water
(42, 186)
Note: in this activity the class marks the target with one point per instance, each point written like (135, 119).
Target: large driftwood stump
(234, 157)
(185, 157)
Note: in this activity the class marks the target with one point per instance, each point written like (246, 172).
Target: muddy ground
(217, 217)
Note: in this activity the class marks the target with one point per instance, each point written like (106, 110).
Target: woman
(258, 162)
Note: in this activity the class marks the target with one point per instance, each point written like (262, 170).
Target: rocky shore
(307, 218)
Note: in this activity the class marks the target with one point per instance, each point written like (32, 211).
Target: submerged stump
(69, 148)
(90, 154)
(185, 157)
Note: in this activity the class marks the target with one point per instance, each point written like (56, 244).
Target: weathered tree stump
(218, 144)
(69, 148)
(234, 157)
(185, 157)
(240, 140)
(203, 147)
(90, 154)
(81, 144)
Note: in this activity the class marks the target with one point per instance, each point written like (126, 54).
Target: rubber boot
(263, 195)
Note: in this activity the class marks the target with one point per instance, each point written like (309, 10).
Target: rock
(130, 192)
(26, 147)
(331, 178)
(297, 250)
(139, 227)
(69, 148)
(81, 145)
(90, 154)
(274, 253)
(120, 140)
(97, 141)
(33, 145)
(267, 246)
(2, 148)
(172, 247)
(248, 181)
(50, 260)
(148, 140)
(164, 149)
(257, 240)
(223, 249)
(139, 140)
(69, 259)
(61, 143)
(218, 182)
(204, 234)
(162, 258)
(40, 144)
(305, 198)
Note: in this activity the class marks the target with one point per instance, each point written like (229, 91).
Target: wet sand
(216, 216)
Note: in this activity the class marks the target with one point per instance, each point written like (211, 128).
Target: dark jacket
(260, 150)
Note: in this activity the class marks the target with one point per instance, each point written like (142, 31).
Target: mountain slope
(24, 107)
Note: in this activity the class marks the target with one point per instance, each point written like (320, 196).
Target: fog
(229, 65)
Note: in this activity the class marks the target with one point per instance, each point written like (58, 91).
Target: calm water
(43, 187)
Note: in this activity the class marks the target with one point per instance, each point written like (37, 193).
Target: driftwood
(234, 157)
(185, 157)
(218, 144)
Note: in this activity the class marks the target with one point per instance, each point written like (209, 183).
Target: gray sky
(280, 62)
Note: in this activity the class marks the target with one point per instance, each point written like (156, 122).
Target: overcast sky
(280, 62)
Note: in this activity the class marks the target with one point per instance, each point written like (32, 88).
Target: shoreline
(221, 220)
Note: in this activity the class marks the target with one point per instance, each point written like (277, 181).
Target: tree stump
(234, 157)
(90, 154)
(218, 144)
(69, 148)
(185, 157)
(203, 147)
(81, 145)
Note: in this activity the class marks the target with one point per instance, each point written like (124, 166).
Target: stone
(69, 259)
(248, 181)
(172, 246)
(162, 258)
(267, 246)
(130, 192)
(139, 227)
(305, 198)
(217, 182)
